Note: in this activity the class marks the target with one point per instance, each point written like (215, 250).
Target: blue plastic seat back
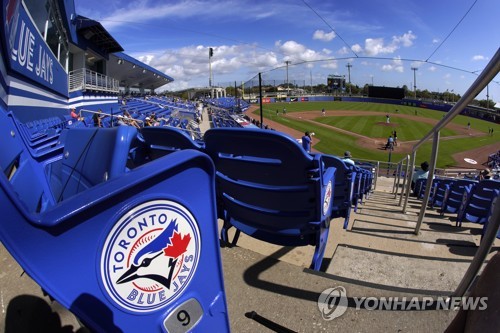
(440, 187)
(455, 193)
(92, 156)
(345, 180)
(478, 203)
(265, 177)
(162, 141)
(18, 168)
(269, 188)
(133, 254)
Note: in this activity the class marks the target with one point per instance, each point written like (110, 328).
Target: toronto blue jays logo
(150, 255)
(328, 198)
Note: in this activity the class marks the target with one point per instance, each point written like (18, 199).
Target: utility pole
(349, 71)
(415, 69)
(487, 98)
(288, 62)
(311, 76)
(210, 55)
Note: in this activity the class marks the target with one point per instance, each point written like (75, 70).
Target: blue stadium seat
(454, 195)
(132, 254)
(345, 179)
(162, 141)
(438, 193)
(91, 156)
(477, 202)
(271, 189)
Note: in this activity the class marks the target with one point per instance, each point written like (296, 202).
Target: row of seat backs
(471, 200)
(268, 186)
(477, 201)
(162, 141)
(61, 246)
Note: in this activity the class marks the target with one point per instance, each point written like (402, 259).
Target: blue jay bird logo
(169, 244)
(150, 255)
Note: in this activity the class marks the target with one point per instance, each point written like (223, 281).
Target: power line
(322, 19)
(444, 40)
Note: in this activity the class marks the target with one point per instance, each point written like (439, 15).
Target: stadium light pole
(210, 55)
(414, 69)
(349, 72)
(288, 62)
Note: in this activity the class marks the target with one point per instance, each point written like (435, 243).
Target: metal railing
(85, 79)
(479, 84)
(488, 74)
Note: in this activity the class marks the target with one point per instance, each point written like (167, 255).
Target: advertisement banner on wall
(304, 99)
(27, 52)
(266, 100)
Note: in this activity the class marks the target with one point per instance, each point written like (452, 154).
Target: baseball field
(363, 129)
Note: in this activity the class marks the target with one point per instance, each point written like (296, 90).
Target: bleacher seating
(279, 194)
(454, 195)
(477, 201)
(75, 249)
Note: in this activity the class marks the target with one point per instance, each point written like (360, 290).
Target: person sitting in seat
(485, 174)
(420, 174)
(97, 118)
(348, 158)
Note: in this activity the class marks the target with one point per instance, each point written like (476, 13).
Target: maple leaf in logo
(178, 245)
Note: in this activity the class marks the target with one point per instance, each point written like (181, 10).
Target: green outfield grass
(333, 142)
(375, 126)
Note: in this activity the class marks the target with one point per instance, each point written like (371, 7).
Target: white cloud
(395, 66)
(435, 41)
(343, 51)
(376, 46)
(405, 39)
(432, 69)
(357, 48)
(479, 58)
(323, 36)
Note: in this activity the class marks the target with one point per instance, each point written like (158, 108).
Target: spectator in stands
(73, 114)
(148, 122)
(485, 174)
(97, 118)
(348, 158)
(129, 120)
(307, 141)
(423, 173)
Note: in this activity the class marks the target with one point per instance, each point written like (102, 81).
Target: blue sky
(381, 39)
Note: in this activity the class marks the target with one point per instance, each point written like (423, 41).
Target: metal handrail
(483, 250)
